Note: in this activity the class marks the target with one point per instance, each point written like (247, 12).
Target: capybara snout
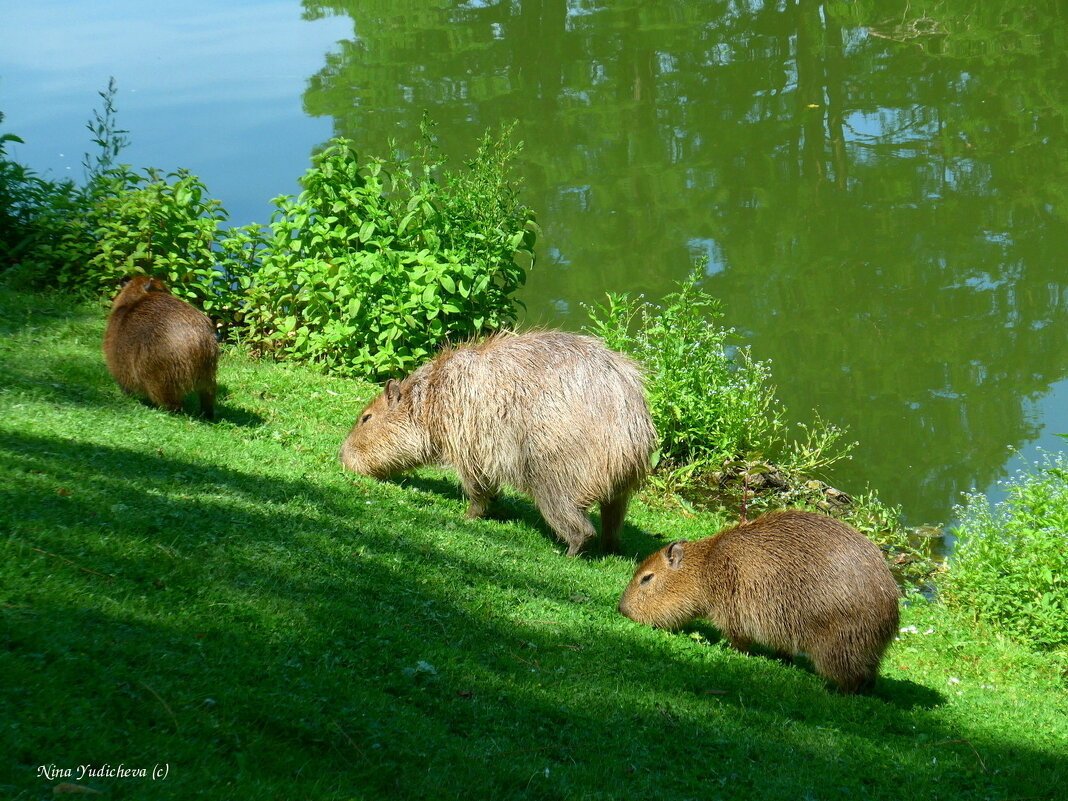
(160, 346)
(794, 582)
(555, 415)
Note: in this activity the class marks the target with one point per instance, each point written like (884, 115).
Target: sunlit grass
(223, 599)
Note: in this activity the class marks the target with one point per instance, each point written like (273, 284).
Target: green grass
(224, 600)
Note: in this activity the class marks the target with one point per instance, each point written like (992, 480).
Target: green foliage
(106, 135)
(1010, 565)
(711, 401)
(163, 225)
(43, 223)
(376, 263)
(371, 269)
(48, 231)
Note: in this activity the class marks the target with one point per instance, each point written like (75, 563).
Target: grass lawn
(222, 602)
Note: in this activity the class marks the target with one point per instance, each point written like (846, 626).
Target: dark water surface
(881, 191)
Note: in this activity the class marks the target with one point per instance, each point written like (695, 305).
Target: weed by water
(1010, 566)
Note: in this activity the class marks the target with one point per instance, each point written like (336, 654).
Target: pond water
(879, 190)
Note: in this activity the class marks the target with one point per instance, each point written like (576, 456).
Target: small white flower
(953, 680)
(929, 631)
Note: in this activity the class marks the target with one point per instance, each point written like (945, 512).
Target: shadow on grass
(511, 507)
(326, 649)
(224, 412)
(907, 694)
(901, 693)
(81, 379)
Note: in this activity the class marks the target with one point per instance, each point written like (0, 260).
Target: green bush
(85, 239)
(711, 401)
(163, 225)
(377, 263)
(1010, 564)
(43, 223)
(371, 269)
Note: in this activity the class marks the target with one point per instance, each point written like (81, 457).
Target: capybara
(793, 581)
(158, 345)
(555, 415)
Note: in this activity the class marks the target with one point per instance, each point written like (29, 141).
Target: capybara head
(794, 582)
(385, 439)
(665, 591)
(158, 345)
(135, 288)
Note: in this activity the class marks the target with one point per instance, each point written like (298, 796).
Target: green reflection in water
(880, 190)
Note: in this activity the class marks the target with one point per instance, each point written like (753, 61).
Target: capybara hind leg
(569, 522)
(846, 674)
(207, 402)
(165, 398)
(612, 513)
(738, 642)
(478, 496)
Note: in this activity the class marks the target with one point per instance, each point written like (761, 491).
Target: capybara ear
(393, 391)
(675, 552)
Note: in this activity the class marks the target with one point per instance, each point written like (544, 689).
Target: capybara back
(794, 581)
(160, 346)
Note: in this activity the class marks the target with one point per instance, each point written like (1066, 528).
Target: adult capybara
(795, 582)
(160, 346)
(555, 415)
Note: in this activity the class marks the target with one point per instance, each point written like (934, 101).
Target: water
(880, 194)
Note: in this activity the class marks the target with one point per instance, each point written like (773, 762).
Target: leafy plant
(1010, 565)
(377, 262)
(42, 222)
(711, 401)
(166, 225)
(47, 227)
(107, 136)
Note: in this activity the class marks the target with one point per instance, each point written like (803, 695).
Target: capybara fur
(159, 346)
(794, 582)
(557, 416)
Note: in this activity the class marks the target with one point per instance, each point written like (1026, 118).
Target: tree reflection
(881, 191)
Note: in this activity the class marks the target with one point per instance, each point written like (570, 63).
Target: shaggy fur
(158, 345)
(554, 415)
(796, 582)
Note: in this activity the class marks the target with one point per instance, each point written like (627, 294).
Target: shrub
(1010, 564)
(711, 401)
(163, 225)
(43, 223)
(377, 263)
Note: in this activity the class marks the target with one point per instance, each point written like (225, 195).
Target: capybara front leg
(739, 643)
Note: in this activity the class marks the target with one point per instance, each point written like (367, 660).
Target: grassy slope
(223, 599)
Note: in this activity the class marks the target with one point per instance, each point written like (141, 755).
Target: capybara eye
(365, 418)
(647, 578)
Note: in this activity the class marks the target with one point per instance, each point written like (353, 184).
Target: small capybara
(793, 581)
(158, 345)
(555, 415)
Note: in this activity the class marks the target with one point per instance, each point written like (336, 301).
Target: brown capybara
(555, 415)
(158, 345)
(795, 582)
